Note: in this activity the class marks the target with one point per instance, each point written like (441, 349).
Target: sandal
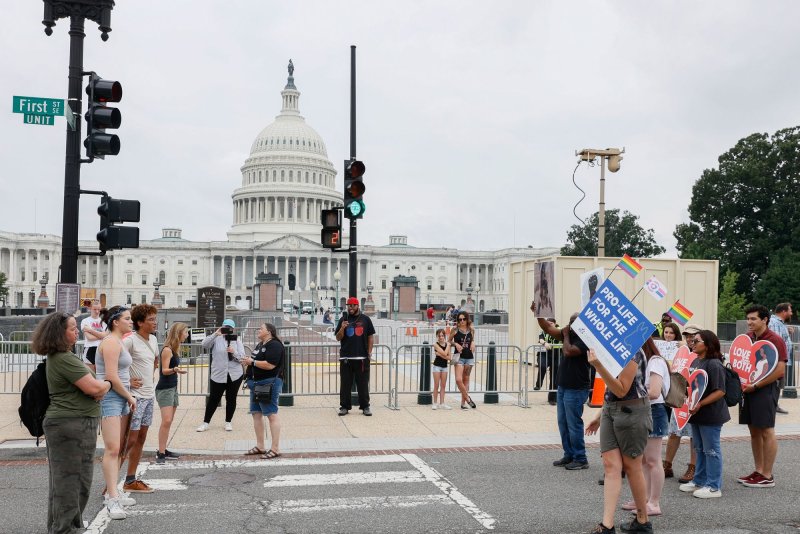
(270, 455)
(255, 451)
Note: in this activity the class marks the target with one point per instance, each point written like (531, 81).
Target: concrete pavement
(312, 425)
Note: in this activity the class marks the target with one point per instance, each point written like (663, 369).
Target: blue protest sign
(612, 326)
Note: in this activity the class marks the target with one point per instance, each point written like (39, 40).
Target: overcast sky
(469, 112)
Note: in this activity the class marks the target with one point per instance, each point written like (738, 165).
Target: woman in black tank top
(442, 349)
(463, 340)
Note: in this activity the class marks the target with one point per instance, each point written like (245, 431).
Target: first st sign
(38, 110)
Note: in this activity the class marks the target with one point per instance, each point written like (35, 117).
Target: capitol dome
(287, 179)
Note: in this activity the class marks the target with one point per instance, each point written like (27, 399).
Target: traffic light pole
(72, 166)
(353, 249)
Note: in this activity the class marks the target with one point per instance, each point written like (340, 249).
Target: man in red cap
(354, 331)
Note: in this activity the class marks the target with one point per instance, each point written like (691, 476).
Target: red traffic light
(356, 169)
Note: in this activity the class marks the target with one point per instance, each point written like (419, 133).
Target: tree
(624, 235)
(747, 209)
(731, 304)
(3, 288)
(780, 283)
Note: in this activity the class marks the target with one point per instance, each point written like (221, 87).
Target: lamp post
(312, 286)
(469, 298)
(157, 300)
(478, 298)
(337, 276)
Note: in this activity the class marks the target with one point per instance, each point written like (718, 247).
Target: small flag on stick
(630, 266)
(680, 313)
(656, 288)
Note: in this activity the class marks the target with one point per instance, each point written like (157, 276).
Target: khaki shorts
(167, 397)
(625, 426)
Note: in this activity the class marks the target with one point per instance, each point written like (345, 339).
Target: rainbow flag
(680, 313)
(630, 266)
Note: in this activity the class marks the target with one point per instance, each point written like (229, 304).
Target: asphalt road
(497, 491)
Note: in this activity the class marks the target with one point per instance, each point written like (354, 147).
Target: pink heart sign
(753, 362)
(682, 359)
(698, 381)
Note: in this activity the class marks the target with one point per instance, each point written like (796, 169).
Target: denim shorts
(660, 421)
(437, 369)
(466, 361)
(266, 408)
(114, 405)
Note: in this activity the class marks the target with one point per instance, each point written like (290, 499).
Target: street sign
(41, 111)
(70, 116)
(34, 105)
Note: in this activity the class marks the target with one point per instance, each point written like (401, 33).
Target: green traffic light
(356, 208)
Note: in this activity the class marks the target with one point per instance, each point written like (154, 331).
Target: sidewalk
(312, 425)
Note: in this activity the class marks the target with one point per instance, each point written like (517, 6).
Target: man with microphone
(354, 331)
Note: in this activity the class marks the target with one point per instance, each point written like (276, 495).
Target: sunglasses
(462, 318)
(698, 340)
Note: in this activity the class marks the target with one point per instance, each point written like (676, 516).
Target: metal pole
(72, 166)
(601, 217)
(353, 250)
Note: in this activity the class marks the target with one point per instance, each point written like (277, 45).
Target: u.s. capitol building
(286, 181)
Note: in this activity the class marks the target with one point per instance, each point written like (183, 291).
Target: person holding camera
(227, 352)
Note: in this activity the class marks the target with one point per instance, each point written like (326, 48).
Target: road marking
(430, 474)
(278, 462)
(100, 522)
(352, 503)
(338, 479)
(161, 484)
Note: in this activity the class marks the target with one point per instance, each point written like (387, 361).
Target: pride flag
(630, 266)
(680, 313)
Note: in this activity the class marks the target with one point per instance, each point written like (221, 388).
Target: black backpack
(35, 399)
(733, 387)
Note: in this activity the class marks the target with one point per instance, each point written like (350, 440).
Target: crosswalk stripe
(161, 484)
(277, 462)
(353, 503)
(335, 479)
(430, 474)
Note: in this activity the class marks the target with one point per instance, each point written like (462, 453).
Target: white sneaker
(435, 407)
(115, 509)
(123, 497)
(689, 487)
(707, 493)
(228, 427)
(445, 407)
(203, 427)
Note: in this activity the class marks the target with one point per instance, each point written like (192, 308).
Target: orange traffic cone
(414, 331)
(598, 392)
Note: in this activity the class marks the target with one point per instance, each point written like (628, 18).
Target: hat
(692, 328)
(229, 322)
(352, 300)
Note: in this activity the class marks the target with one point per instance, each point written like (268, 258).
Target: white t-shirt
(94, 324)
(657, 365)
(144, 354)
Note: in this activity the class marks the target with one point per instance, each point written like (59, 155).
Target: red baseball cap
(352, 300)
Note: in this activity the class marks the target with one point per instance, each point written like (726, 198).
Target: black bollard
(490, 395)
(286, 398)
(424, 396)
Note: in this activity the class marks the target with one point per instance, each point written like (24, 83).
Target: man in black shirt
(572, 393)
(354, 331)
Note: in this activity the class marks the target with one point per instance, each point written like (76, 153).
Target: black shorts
(90, 354)
(759, 407)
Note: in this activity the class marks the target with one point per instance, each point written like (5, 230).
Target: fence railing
(502, 373)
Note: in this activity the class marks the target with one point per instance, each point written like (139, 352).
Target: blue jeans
(569, 404)
(708, 471)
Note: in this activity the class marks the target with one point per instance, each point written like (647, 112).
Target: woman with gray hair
(70, 423)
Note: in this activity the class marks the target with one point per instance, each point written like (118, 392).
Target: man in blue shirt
(777, 323)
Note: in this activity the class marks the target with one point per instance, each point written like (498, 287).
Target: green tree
(731, 304)
(781, 282)
(624, 235)
(3, 288)
(747, 209)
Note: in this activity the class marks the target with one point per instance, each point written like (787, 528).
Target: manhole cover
(217, 479)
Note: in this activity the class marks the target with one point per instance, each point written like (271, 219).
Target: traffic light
(354, 189)
(112, 211)
(98, 116)
(331, 229)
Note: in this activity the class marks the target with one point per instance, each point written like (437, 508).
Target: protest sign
(612, 326)
(667, 349)
(544, 289)
(753, 362)
(590, 281)
(682, 359)
(697, 381)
